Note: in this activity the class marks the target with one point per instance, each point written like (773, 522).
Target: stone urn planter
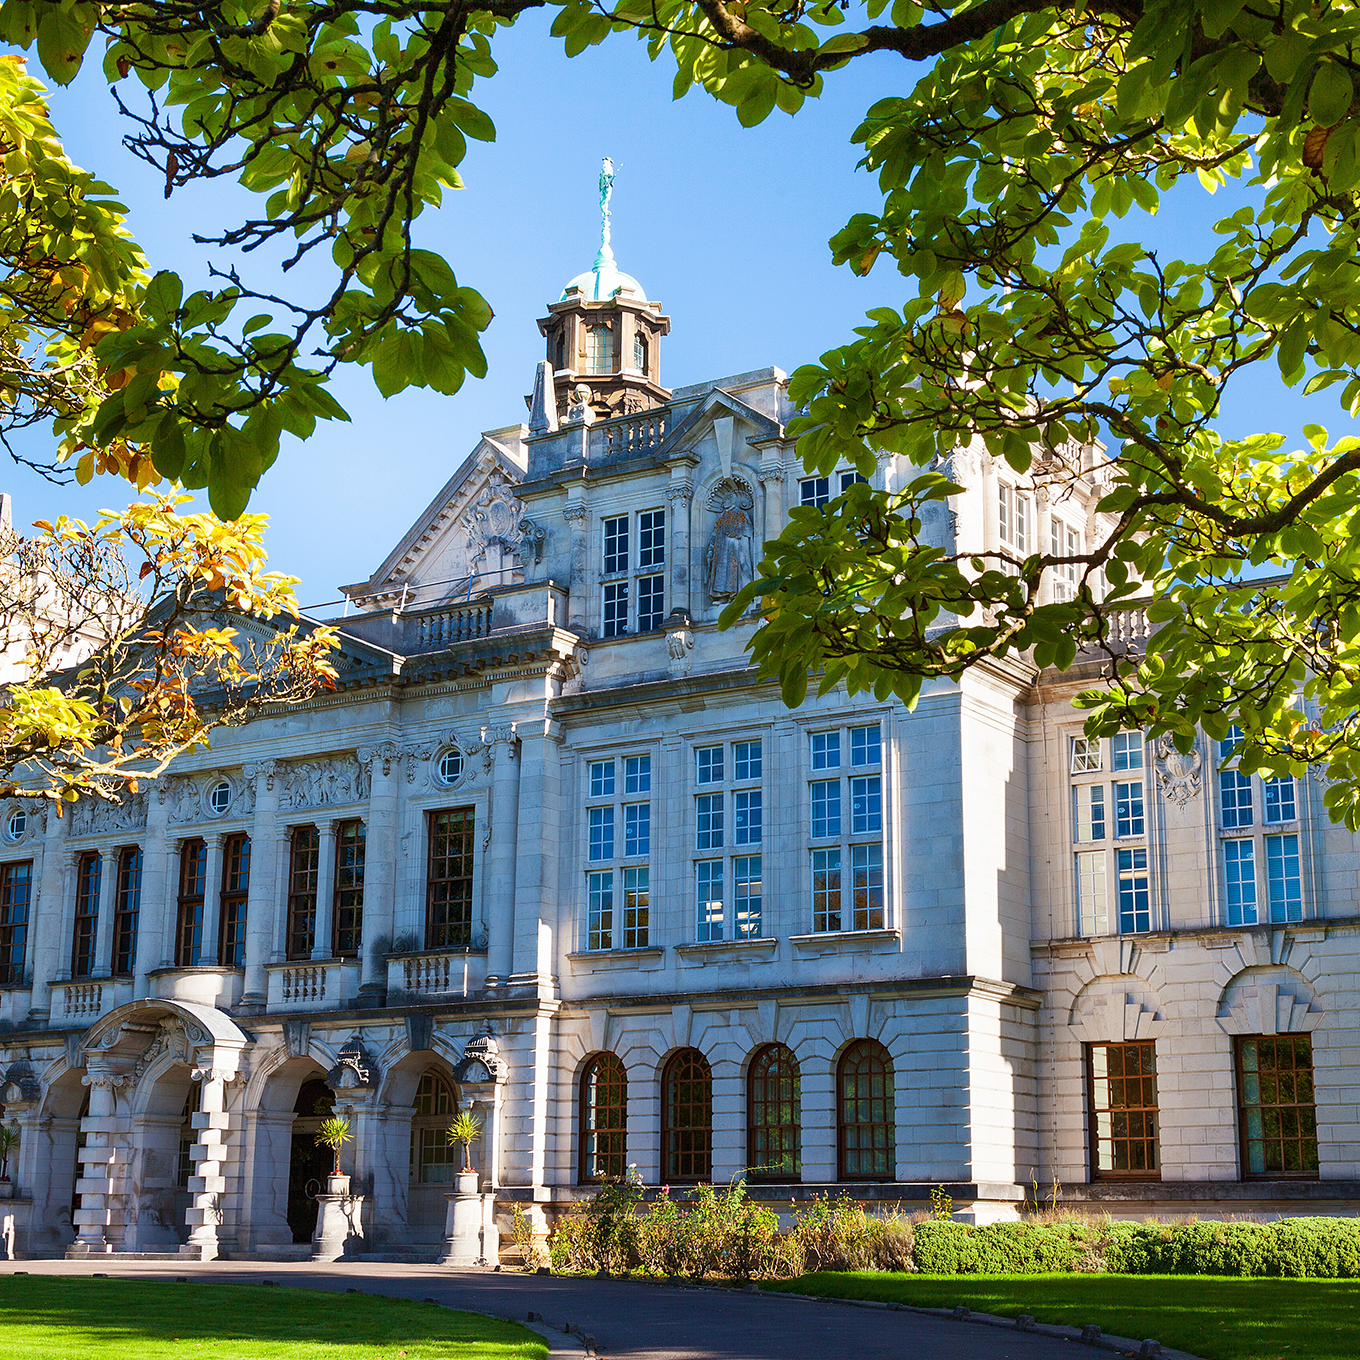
(339, 1230)
(463, 1223)
(6, 1188)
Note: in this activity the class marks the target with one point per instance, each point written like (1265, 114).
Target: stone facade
(549, 815)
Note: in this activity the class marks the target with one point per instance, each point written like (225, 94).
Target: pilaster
(262, 906)
(47, 915)
(501, 867)
(380, 878)
(324, 944)
(153, 927)
(212, 899)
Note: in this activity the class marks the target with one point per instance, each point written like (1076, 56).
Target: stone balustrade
(441, 628)
(313, 984)
(626, 435)
(436, 974)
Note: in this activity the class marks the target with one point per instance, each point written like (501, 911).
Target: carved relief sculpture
(320, 783)
(729, 556)
(1177, 775)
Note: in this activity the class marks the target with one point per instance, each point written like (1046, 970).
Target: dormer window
(599, 350)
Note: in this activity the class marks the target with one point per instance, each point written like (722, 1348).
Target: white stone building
(550, 852)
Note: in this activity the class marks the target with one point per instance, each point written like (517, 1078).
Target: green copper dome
(604, 278)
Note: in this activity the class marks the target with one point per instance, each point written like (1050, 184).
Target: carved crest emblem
(1178, 773)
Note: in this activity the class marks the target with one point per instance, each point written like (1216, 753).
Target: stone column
(325, 891)
(155, 920)
(103, 936)
(500, 869)
(772, 484)
(277, 924)
(47, 915)
(534, 886)
(67, 898)
(207, 1184)
(380, 868)
(212, 899)
(98, 1221)
(262, 907)
(678, 493)
(574, 512)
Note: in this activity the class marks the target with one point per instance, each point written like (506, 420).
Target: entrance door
(308, 1165)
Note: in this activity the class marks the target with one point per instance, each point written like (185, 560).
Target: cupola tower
(603, 332)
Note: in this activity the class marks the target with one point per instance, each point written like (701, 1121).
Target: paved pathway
(633, 1321)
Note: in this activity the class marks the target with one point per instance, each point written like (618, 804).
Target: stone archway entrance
(308, 1164)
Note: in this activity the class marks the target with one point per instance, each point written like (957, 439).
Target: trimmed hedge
(1323, 1248)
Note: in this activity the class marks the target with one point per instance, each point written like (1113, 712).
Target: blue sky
(726, 226)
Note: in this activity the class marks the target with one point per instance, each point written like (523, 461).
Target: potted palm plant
(9, 1140)
(334, 1133)
(465, 1130)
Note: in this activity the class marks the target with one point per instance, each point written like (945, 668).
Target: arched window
(639, 351)
(433, 1158)
(773, 1116)
(599, 350)
(604, 1119)
(687, 1118)
(864, 1107)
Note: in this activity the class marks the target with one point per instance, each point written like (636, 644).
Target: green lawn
(1219, 1318)
(51, 1317)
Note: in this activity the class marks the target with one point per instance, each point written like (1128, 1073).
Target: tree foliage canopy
(1032, 322)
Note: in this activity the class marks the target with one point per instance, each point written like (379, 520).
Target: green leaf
(163, 295)
(1330, 96)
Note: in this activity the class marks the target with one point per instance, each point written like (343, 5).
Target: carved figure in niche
(728, 558)
(1179, 775)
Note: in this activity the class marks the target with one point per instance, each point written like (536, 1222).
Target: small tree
(466, 1130)
(9, 1140)
(334, 1133)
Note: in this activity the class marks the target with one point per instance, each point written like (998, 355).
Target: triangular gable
(715, 404)
(446, 546)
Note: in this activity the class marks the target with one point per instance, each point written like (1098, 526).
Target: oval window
(220, 798)
(450, 766)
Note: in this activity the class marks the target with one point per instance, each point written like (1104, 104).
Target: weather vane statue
(606, 190)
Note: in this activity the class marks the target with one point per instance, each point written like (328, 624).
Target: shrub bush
(1000, 1249)
(837, 1234)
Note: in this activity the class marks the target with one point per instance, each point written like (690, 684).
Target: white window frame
(846, 846)
(610, 785)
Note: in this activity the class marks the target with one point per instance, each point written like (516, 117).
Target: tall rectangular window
(652, 538)
(231, 932)
(615, 608)
(127, 906)
(636, 907)
(601, 824)
(1088, 812)
(304, 862)
(1085, 755)
(866, 805)
(1284, 885)
(749, 812)
(600, 910)
(814, 491)
(826, 750)
(1280, 801)
(1135, 901)
(448, 878)
(1235, 797)
(826, 808)
(1128, 810)
(193, 883)
(637, 829)
(1276, 1110)
(1064, 541)
(708, 810)
(1126, 748)
(1092, 910)
(709, 763)
(651, 602)
(866, 746)
(747, 897)
(746, 761)
(1122, 1099)
(866, 869)
(637, 774)
(350, 847)
(89, 872)
(826, 889)
(616, 544)
(849, 479)
(1229, 746)
(601, 778)
(16, 890)
(1239, 881)
(708, 900)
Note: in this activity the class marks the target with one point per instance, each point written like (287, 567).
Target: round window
(450, 766)
(17, 824)
(220, 798)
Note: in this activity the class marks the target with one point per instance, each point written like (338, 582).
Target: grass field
(1221, 1319)
(56, 1317)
